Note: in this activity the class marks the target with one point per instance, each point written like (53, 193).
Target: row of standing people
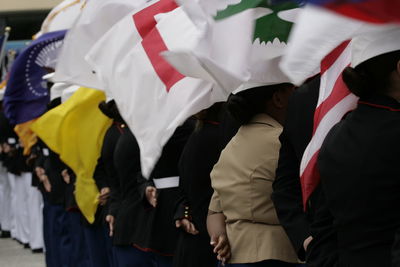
(168, 220)
(226, 191)
(21, 202)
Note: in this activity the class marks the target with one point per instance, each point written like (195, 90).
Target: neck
(394, 92)
(276, 115)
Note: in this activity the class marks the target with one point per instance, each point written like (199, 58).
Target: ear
(277, 100)
(398, 67)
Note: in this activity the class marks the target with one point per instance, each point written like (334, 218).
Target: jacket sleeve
(100, 174)
(323, 250)
(215, 204)
(287, 197)
(142, 185)
(115, 194)
(396, 249)
(182, 206)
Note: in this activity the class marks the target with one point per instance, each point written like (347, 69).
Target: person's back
(360, 170)
(358, 160)
(242, 221)
(242, 181)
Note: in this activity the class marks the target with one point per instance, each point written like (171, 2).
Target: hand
(104, 194)
(39, 172)
(151, 195)
(110, 220)
(30, 159)
(217, 230)
(6, 148)
(307, 242)
(187, 226)
(46, 183)
(66, 177)
(221, 247)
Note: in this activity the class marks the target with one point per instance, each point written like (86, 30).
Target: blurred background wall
(24, 16)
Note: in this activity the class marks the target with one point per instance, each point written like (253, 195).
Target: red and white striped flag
(335, 100)
(325, 51)
(305, 51)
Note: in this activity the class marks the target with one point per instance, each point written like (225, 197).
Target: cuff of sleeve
(183, 211)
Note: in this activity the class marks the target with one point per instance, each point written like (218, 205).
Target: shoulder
(262, 129)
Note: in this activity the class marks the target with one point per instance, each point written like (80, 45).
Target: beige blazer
(242, 181)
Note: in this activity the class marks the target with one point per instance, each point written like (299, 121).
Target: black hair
(372, 76)
(54, 103)
(212, 113)
(110, 109)
(246, 104)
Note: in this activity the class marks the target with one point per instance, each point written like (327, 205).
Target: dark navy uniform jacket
(360, 182)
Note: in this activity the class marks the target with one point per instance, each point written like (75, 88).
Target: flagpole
(3, 46)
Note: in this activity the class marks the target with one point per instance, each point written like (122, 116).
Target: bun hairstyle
(110, 109)
(212, 113)
(372, 76)
(54, 103)
(246, 104)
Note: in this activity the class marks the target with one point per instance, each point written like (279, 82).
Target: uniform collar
(381, 102)
(265, 119)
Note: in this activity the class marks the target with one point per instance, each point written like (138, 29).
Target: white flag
(152, 96)
(61, 17)
(242, 46)
(96, 18)
(317, 32)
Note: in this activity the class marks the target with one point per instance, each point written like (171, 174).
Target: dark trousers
(77, 251)
(54, 222)
(99, 246)
(194, 251)
(267, 263)
(160, 261)
(129, 256)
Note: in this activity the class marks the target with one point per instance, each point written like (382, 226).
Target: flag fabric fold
(165, 62)
(310, 51)
(374, 11)
(61, 17)
(75, 130)
(309, 42)
(152, 96)
(334, 101)
(27, 137)
(26, 94)
(243, 44)
(95, 19)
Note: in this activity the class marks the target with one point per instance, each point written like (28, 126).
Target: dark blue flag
(26, 94)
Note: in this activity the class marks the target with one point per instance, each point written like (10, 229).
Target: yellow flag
(75, 130)
(25, 134)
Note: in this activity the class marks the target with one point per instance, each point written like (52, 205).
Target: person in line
(201, 152)
(160, 194)
(126, 213)
(358, 161)
(242, 222)
(287, 195)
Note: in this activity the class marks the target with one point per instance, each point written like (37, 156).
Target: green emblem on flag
(268, 27)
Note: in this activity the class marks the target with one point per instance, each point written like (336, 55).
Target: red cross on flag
(152, 96)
